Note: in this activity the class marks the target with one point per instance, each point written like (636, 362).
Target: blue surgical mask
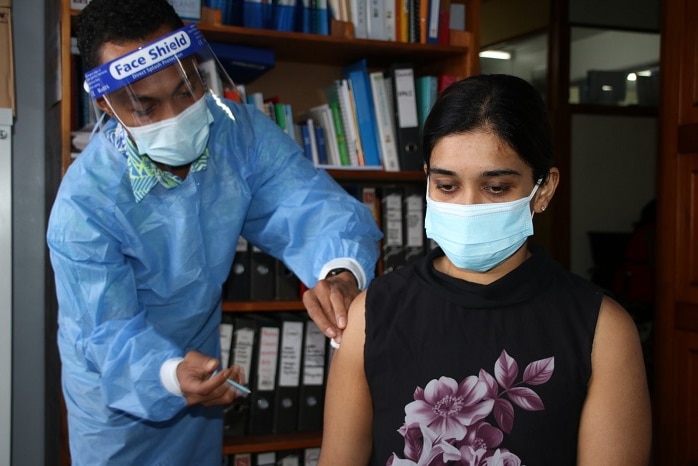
(479, 237)
(178, 140)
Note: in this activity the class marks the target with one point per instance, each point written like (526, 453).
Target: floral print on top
(464, 423)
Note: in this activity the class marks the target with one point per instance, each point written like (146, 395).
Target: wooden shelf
(262, 306)
(272, 442)
(376, 176)
(330, 50)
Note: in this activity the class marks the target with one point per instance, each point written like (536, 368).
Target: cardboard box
(7, 73)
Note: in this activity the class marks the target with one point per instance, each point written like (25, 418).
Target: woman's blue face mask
(479, 237)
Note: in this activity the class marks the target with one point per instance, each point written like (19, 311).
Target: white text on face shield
(149, 56)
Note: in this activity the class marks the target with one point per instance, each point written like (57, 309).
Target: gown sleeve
(300, 215)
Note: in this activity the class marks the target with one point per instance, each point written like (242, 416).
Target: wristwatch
(339, 270)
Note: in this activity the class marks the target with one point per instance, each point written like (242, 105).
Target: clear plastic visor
(158, 80)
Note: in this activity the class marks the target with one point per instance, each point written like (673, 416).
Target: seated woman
(487, 352)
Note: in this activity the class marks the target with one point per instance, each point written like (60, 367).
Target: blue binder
(357, 73)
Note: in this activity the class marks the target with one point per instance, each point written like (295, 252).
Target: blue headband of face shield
(144, 61)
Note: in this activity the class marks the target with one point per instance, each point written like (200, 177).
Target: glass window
(526, 58)
(613, 67)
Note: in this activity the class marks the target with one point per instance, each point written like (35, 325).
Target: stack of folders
(398, 210)
(301, 457)
(257, 276)
(285, 358)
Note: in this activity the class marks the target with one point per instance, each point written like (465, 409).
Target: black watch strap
(339, 270)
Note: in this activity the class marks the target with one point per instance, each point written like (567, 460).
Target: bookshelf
(305, 64)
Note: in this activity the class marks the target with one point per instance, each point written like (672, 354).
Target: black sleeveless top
(460, 372)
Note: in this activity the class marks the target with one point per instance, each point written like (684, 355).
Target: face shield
(156, 92)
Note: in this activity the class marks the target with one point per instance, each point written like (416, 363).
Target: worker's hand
(327, 303)
(199, 385)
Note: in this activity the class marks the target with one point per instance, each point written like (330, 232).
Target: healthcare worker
(142, 236)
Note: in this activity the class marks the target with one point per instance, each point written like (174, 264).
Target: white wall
(613, 175)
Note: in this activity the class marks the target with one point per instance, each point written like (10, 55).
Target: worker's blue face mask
(178, 140)
(479, 237)
(157, 91)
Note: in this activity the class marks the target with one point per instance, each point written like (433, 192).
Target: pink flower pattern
(447, 423)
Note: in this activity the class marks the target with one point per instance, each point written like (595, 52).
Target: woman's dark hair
(120, 21)
(507, 106)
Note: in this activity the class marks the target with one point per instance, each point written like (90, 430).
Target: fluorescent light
(496, 54)
(631, 77)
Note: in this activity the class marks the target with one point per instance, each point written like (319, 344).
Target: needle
(241, 389)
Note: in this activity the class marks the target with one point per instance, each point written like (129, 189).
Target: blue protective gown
(140, 282)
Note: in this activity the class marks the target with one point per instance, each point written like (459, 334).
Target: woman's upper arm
(346, 438)
(615, 426)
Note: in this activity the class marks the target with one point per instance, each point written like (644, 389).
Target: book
(289, 373)
(257, 99)
(385, 122)
(226, 337)
(339, 133)
(357, 73)
(369, 197)
(433, 22)
(426, 88)
(311, 456)
(414, 21)
(286, 282)
(312, 388)
(445, 80)
(375, 22)
(359, 17)
(267, 458)
(236, 415)
(321, 19)
(322, 116)
(263, 380)
(240, 459)
(312, 138)
(406, 117)
(307, 146)
(339, 92)
(444, 34)
(402, 20)
(238, 286)
(322, 152)
(390, 19)
(257, 14)
(290, 458)
(392, 219)
(284, 15)
(283, 115)
(423, 9)
(262, 275)
(413, 211)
